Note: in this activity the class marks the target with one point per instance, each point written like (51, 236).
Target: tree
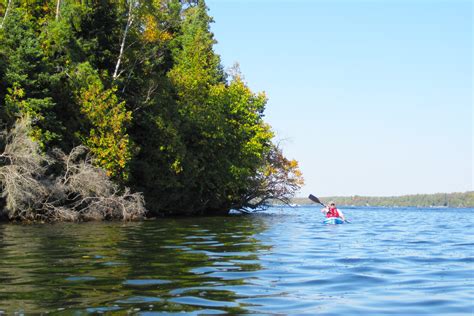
(139, 84)
(106, 121)
(225, 138)
(27, 78)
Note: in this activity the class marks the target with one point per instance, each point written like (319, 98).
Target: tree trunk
(58, 4)
(124, 38)
(6, 13)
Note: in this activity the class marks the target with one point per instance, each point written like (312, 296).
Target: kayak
(333, 221)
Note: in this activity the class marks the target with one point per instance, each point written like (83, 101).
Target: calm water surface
(284, 261)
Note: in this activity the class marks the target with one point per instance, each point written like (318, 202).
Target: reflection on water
(285, 261)
(109, 266)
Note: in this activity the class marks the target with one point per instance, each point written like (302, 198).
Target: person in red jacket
(331, 211)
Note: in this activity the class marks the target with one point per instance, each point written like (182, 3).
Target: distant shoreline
(456, 200)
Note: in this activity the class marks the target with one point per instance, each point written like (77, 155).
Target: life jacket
(332, 212)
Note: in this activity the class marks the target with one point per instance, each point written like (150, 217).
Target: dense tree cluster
(138, 83)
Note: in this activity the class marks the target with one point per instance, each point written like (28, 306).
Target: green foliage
(197, 67)
(106, 119)
(28, 80)
(139, 83)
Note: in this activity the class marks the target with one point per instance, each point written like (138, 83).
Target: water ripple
(284, 261)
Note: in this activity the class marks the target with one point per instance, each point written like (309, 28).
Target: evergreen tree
(139, 83)
(28, 79)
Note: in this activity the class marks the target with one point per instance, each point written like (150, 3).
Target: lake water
(283, 261)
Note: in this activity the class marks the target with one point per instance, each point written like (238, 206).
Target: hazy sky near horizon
(371, 97)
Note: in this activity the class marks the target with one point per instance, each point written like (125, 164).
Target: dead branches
(279, 179)
(79, 191)
(23, 169)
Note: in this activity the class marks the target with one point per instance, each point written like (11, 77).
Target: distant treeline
(465, 199)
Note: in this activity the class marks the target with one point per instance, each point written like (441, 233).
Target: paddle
(316, 200)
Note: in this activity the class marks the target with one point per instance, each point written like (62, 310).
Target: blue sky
(371, 97)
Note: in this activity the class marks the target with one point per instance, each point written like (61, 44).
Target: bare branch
(279, 179)
(80, 191)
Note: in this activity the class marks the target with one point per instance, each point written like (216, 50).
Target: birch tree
(58, 5)
(130, 18)
(6, 13)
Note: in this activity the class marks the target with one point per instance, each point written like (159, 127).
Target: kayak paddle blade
(315, 199)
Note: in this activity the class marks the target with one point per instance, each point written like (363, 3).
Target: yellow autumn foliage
(153, 32)
(107, 138)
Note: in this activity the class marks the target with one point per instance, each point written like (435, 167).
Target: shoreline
(452, 200)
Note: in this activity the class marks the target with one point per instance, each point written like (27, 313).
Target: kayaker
(331, 211)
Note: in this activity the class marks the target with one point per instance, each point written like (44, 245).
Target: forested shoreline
(457, 199)
(110, 107)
